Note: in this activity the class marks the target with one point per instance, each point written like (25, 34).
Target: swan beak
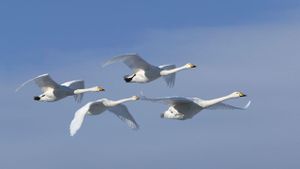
(136, 97)
(242, 94)
(189, 65)
(100, 89)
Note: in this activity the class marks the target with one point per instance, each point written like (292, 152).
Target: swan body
(182, 108)
(143, 72)
(99, 106)
(52, 91)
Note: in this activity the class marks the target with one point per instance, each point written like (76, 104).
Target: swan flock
(179, 108)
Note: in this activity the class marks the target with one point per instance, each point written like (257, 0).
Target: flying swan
(143, 72)
(98, 107)
(182, 108)
(51, 91)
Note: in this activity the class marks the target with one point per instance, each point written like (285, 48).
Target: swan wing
(75, 84)
(168, 100)
(43, 81)
(94, 107)
(133, 61)
(170, 79)
(228, 106)
(78, 119)
(122, 113)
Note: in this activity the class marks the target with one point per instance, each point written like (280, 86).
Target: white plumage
(52, 91)
(182, 108)
(98, 107)
(143, 72)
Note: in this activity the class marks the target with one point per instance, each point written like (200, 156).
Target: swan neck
(211, 102)
(115, 103)
(80, 91)
(170, 71)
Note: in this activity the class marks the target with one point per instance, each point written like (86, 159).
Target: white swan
(53, 91)
(144, 72)
(182, 108)
(99, 106)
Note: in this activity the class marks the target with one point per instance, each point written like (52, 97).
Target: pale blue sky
(251, 46)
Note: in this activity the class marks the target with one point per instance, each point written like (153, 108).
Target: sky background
(238, 45)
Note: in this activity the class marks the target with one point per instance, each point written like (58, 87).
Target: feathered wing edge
(78, 119)
(28, 81)
(76, 84)
(119, 58)
(170, 79)
(228, 106)
(122, 112)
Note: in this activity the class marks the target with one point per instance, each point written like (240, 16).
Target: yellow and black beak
(193, 66)
(242, 94)
(100, 89)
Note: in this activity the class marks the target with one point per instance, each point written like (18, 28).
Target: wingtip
(135, 127)
(171, 85)
(130, 54)
(104, 64)
(72, 129)
(45, 74)
(142, 96)
(72, 133)
(248, 104)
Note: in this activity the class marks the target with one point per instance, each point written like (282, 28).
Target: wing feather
(228, 106)
(78, 118)
(122, 113)
(168, 100)
(170, 79)
(75, 84)
(43, 81)
(133, 61)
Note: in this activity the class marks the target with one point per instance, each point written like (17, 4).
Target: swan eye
(43, 95)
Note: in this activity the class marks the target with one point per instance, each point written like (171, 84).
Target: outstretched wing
(75, 84)
(94, 107)
(43, 81)
(133, 61)
(170, 79)
(168, 100)
(122, 113)
(78, 118)
(228, 106)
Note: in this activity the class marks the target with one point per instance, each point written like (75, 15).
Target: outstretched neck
(117, 102)
(91, 89)
(170, 71)
(208, 103)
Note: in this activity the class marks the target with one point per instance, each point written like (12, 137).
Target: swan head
(99, 89)
(44, 98)
(128, 78)
(238, 94)
(190, 66)
(135, 98)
